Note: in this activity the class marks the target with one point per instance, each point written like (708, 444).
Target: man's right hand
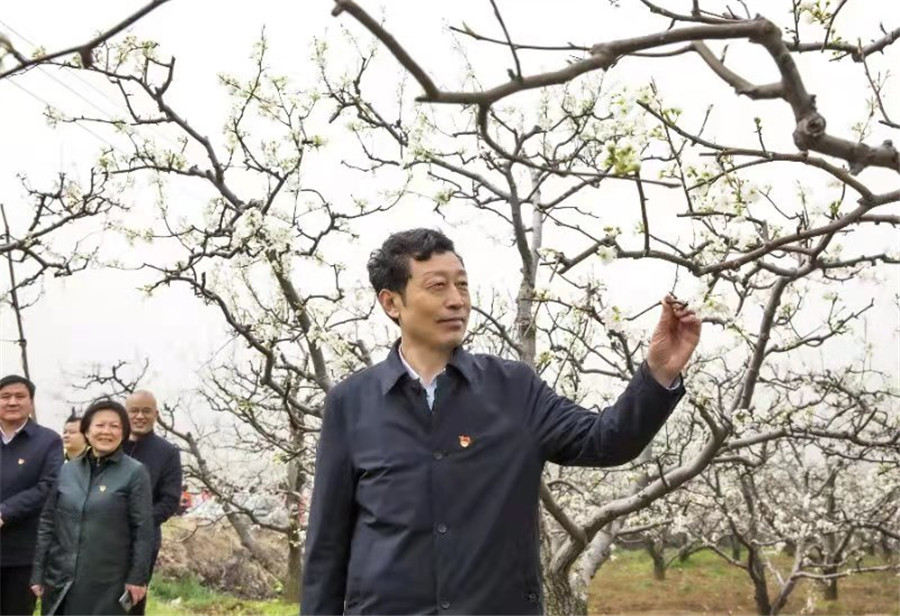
(137, 592)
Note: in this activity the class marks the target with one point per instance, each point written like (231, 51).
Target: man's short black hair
(389, 265)
(106, 404)
(13, 379)
(73, 417)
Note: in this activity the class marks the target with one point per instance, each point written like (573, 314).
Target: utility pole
(14, 300)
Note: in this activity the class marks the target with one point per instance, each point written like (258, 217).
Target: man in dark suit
(30, 459)
(429, 463)
(163, 462)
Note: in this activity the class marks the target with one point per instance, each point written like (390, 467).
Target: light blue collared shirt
(430, 388)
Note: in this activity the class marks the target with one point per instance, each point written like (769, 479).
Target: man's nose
(455, 298)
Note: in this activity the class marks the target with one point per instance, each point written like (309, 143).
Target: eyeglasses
(141, 412)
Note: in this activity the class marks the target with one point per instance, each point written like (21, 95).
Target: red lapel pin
(464, 441)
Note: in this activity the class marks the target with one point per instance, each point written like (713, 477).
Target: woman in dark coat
(95, 538)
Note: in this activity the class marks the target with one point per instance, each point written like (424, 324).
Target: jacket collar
(150, 436)
(115, 456)
(391, 369)
(30, 427)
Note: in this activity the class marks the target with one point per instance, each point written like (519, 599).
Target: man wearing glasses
(162, 460)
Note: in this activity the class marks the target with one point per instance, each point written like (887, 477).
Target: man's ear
(390, 302)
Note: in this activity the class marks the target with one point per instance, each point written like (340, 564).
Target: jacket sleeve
(140, 520)
(29, 502)
(46, 530)
(168, 489)
(331, 518)
(571, 435)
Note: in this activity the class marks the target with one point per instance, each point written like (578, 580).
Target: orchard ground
(200, 564)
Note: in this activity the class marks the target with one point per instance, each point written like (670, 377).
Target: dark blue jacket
(162, 460)
(418, 512)
(29, 466)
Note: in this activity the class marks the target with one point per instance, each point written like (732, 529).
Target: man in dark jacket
(429, 463)
(30, 459)
(163, 462)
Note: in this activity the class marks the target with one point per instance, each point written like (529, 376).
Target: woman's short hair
(106, 404)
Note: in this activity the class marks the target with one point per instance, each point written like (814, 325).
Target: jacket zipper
(91, 484)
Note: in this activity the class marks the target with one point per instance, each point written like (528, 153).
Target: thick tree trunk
(292, 586)
(831, 590)
(735, 548)
(560, 599)
(296, 481)
(834, 551)
(830, 587)
(685, 552)
(888, 551)
(760, 588)
(655, 549)
(782, 598)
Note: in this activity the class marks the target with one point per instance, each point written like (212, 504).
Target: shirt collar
(412, 372)
(23, 428)
(392, 368)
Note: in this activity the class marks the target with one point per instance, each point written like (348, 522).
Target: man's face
(72, 438)
(15, 403)
(434, 310)
(142, 413)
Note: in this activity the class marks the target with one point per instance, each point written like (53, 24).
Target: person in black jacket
(429, 464)
(95, 538)
(30, 459)
(163, 462)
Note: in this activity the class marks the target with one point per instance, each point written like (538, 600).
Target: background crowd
(80, 514)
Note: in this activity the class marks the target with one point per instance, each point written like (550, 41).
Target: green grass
(706, 584)
(188, 596)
